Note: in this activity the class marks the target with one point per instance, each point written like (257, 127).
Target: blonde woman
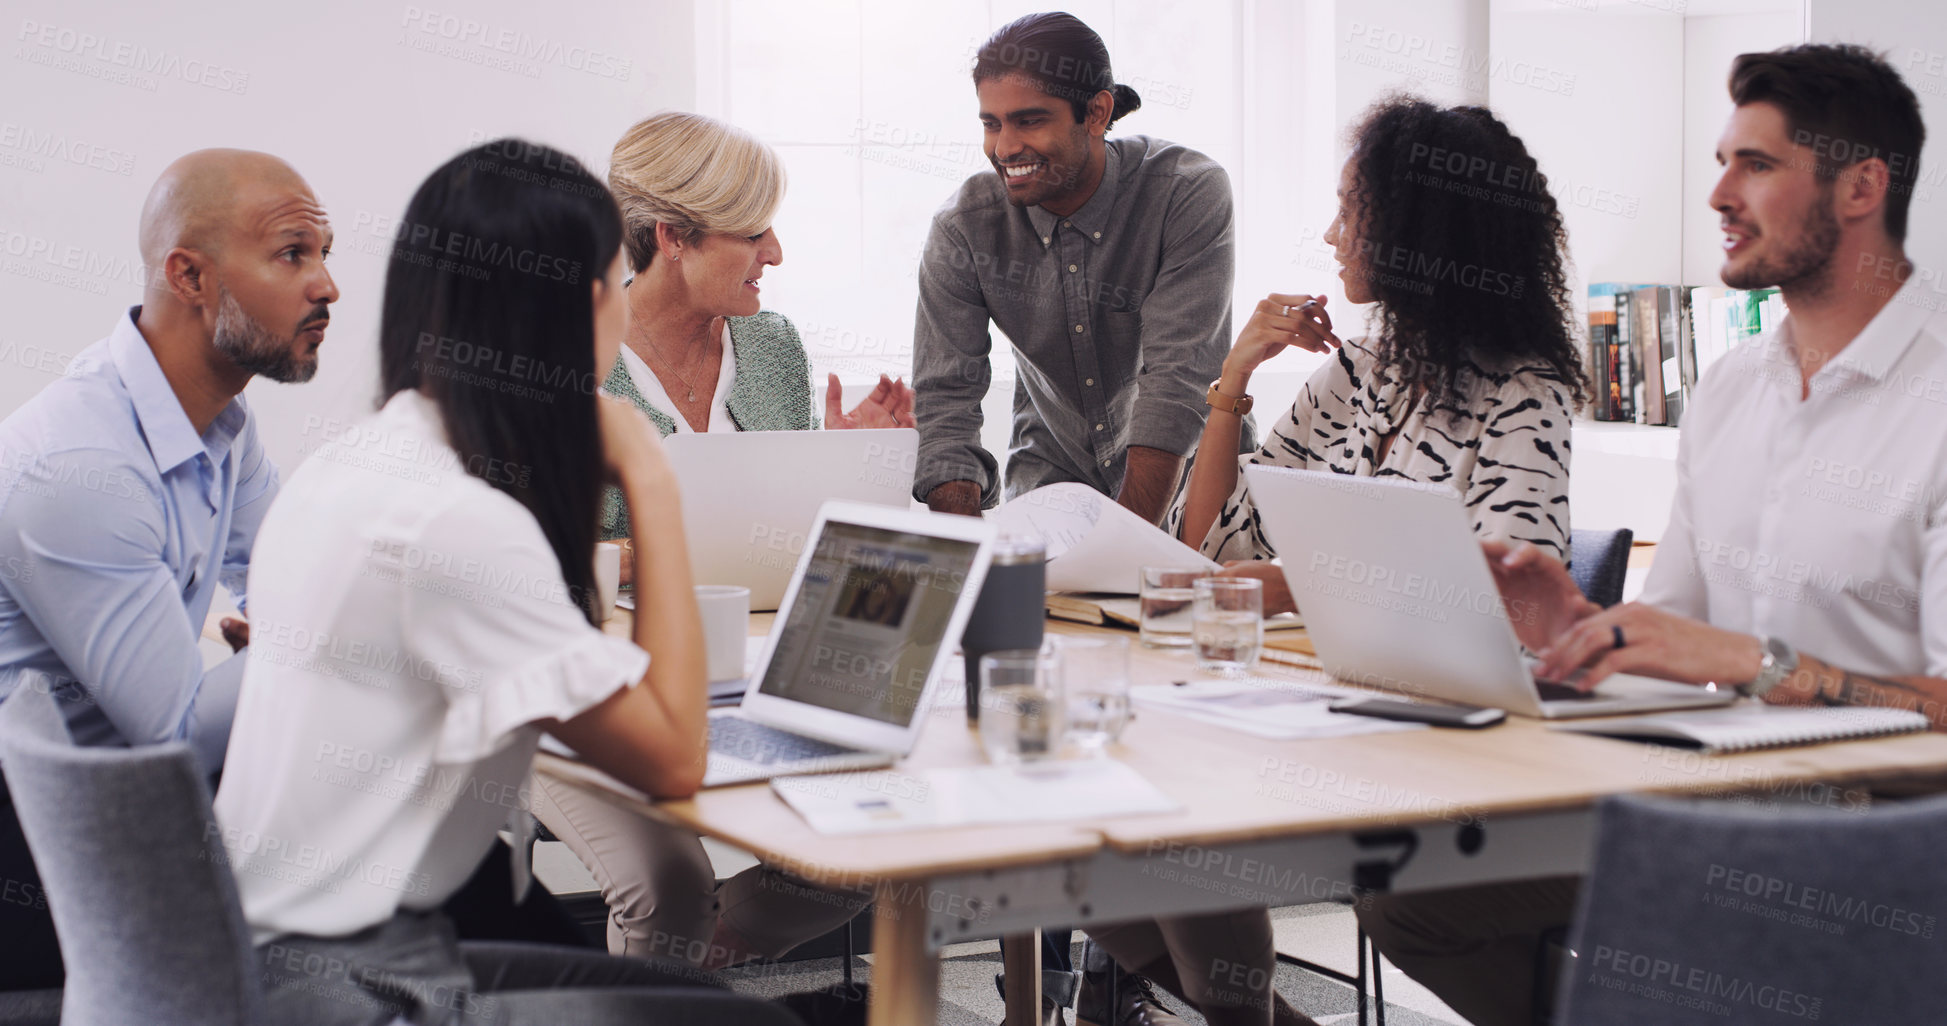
(700, 353)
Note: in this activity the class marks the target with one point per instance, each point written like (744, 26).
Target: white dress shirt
(1821, 521)
(650, 387)
(409, 624)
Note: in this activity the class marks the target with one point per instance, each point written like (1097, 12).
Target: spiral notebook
(1750, 725)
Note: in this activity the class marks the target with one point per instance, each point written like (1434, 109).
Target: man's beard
(251, 346)
(1066, 175)
(1806, 268)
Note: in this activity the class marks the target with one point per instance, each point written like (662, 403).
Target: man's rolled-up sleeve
(951, 372)
(1186, 316)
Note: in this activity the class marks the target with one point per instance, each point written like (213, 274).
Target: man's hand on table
(1567, 632)
(1656, 643)
(961, 497)
(1541, 599)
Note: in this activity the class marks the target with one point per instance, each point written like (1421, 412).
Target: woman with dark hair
(424, 609)
(1470, 379)
(1472, 374)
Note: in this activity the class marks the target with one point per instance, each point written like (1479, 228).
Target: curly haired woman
(1446, 225)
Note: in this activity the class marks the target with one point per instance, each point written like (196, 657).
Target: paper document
(886, 800)
(1093, 543)
(1262, 706)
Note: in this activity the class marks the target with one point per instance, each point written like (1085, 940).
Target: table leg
(1021, 968)
(905, 972)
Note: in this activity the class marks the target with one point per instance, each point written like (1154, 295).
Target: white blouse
(1505, 449)
(650, 387)
(409, 624)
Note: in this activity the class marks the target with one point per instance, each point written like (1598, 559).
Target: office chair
(146, 908)
(1711, 912)
(1599, 560)
(143, 899)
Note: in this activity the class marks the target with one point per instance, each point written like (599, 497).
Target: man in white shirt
(1806, 557)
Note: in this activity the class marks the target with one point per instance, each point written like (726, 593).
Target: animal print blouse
(1506, 451)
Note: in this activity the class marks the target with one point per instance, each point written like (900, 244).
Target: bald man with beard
(131, 487)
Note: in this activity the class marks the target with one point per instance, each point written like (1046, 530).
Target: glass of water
(1020, 699)
(1095, 689)
(1228, 623)
(1166, 595)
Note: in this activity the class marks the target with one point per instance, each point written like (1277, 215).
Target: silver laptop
(749, 496)
(1397, 594)
(873, 611)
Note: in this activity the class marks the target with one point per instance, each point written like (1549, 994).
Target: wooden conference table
(1263, 823)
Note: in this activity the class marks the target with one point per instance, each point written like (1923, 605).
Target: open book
(1101, 610)
(1748, 725)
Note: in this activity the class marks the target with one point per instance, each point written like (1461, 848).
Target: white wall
(342, 91)
(1333, 59)
(1709, 46)
(1913, 33)
(1610, 140)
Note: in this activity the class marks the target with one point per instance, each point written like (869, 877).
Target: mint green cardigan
(771, 392)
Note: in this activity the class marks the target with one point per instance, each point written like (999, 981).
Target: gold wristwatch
(1216, 399)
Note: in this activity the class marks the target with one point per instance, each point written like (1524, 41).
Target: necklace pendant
(692, 396)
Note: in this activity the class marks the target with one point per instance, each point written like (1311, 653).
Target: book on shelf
(1646, 348)
(1649, 345)
(1606, 343)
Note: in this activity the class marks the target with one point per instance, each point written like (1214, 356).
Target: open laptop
(877, 602)
(749, 496)
(1397, 594)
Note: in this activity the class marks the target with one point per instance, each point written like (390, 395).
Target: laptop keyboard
(743, 739)
(1553, 692)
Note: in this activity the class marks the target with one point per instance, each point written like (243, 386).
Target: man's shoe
(843, 1004)
(1134, 1002)
(1053, 1006)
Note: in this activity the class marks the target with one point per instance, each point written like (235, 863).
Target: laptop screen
(868, 621)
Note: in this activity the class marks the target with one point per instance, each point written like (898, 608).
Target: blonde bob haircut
(695, 174)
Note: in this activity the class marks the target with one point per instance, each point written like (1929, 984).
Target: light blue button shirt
(117, 523)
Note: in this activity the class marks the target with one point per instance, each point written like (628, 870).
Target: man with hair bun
(1107, 263)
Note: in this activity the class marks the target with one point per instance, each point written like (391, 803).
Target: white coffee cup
(726, 623)
(608, 575)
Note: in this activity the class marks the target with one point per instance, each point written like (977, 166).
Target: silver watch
(1780, 661)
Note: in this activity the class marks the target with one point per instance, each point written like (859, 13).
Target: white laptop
(749, 496)
(1397, 594)
(874, 610)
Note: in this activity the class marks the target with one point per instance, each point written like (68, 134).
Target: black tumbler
(1010, 610)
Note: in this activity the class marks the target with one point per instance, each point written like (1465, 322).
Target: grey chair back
(150, 925)
(1599, 561)
(1726, 914)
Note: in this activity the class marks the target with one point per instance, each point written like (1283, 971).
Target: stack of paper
(1277, 709)
(886, 800)
(1093, 543)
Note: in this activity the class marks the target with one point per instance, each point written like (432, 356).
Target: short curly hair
(1463, 247)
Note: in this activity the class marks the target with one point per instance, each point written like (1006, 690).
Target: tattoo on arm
(1821, 683)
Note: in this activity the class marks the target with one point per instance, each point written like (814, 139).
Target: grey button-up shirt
(1119, 315)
